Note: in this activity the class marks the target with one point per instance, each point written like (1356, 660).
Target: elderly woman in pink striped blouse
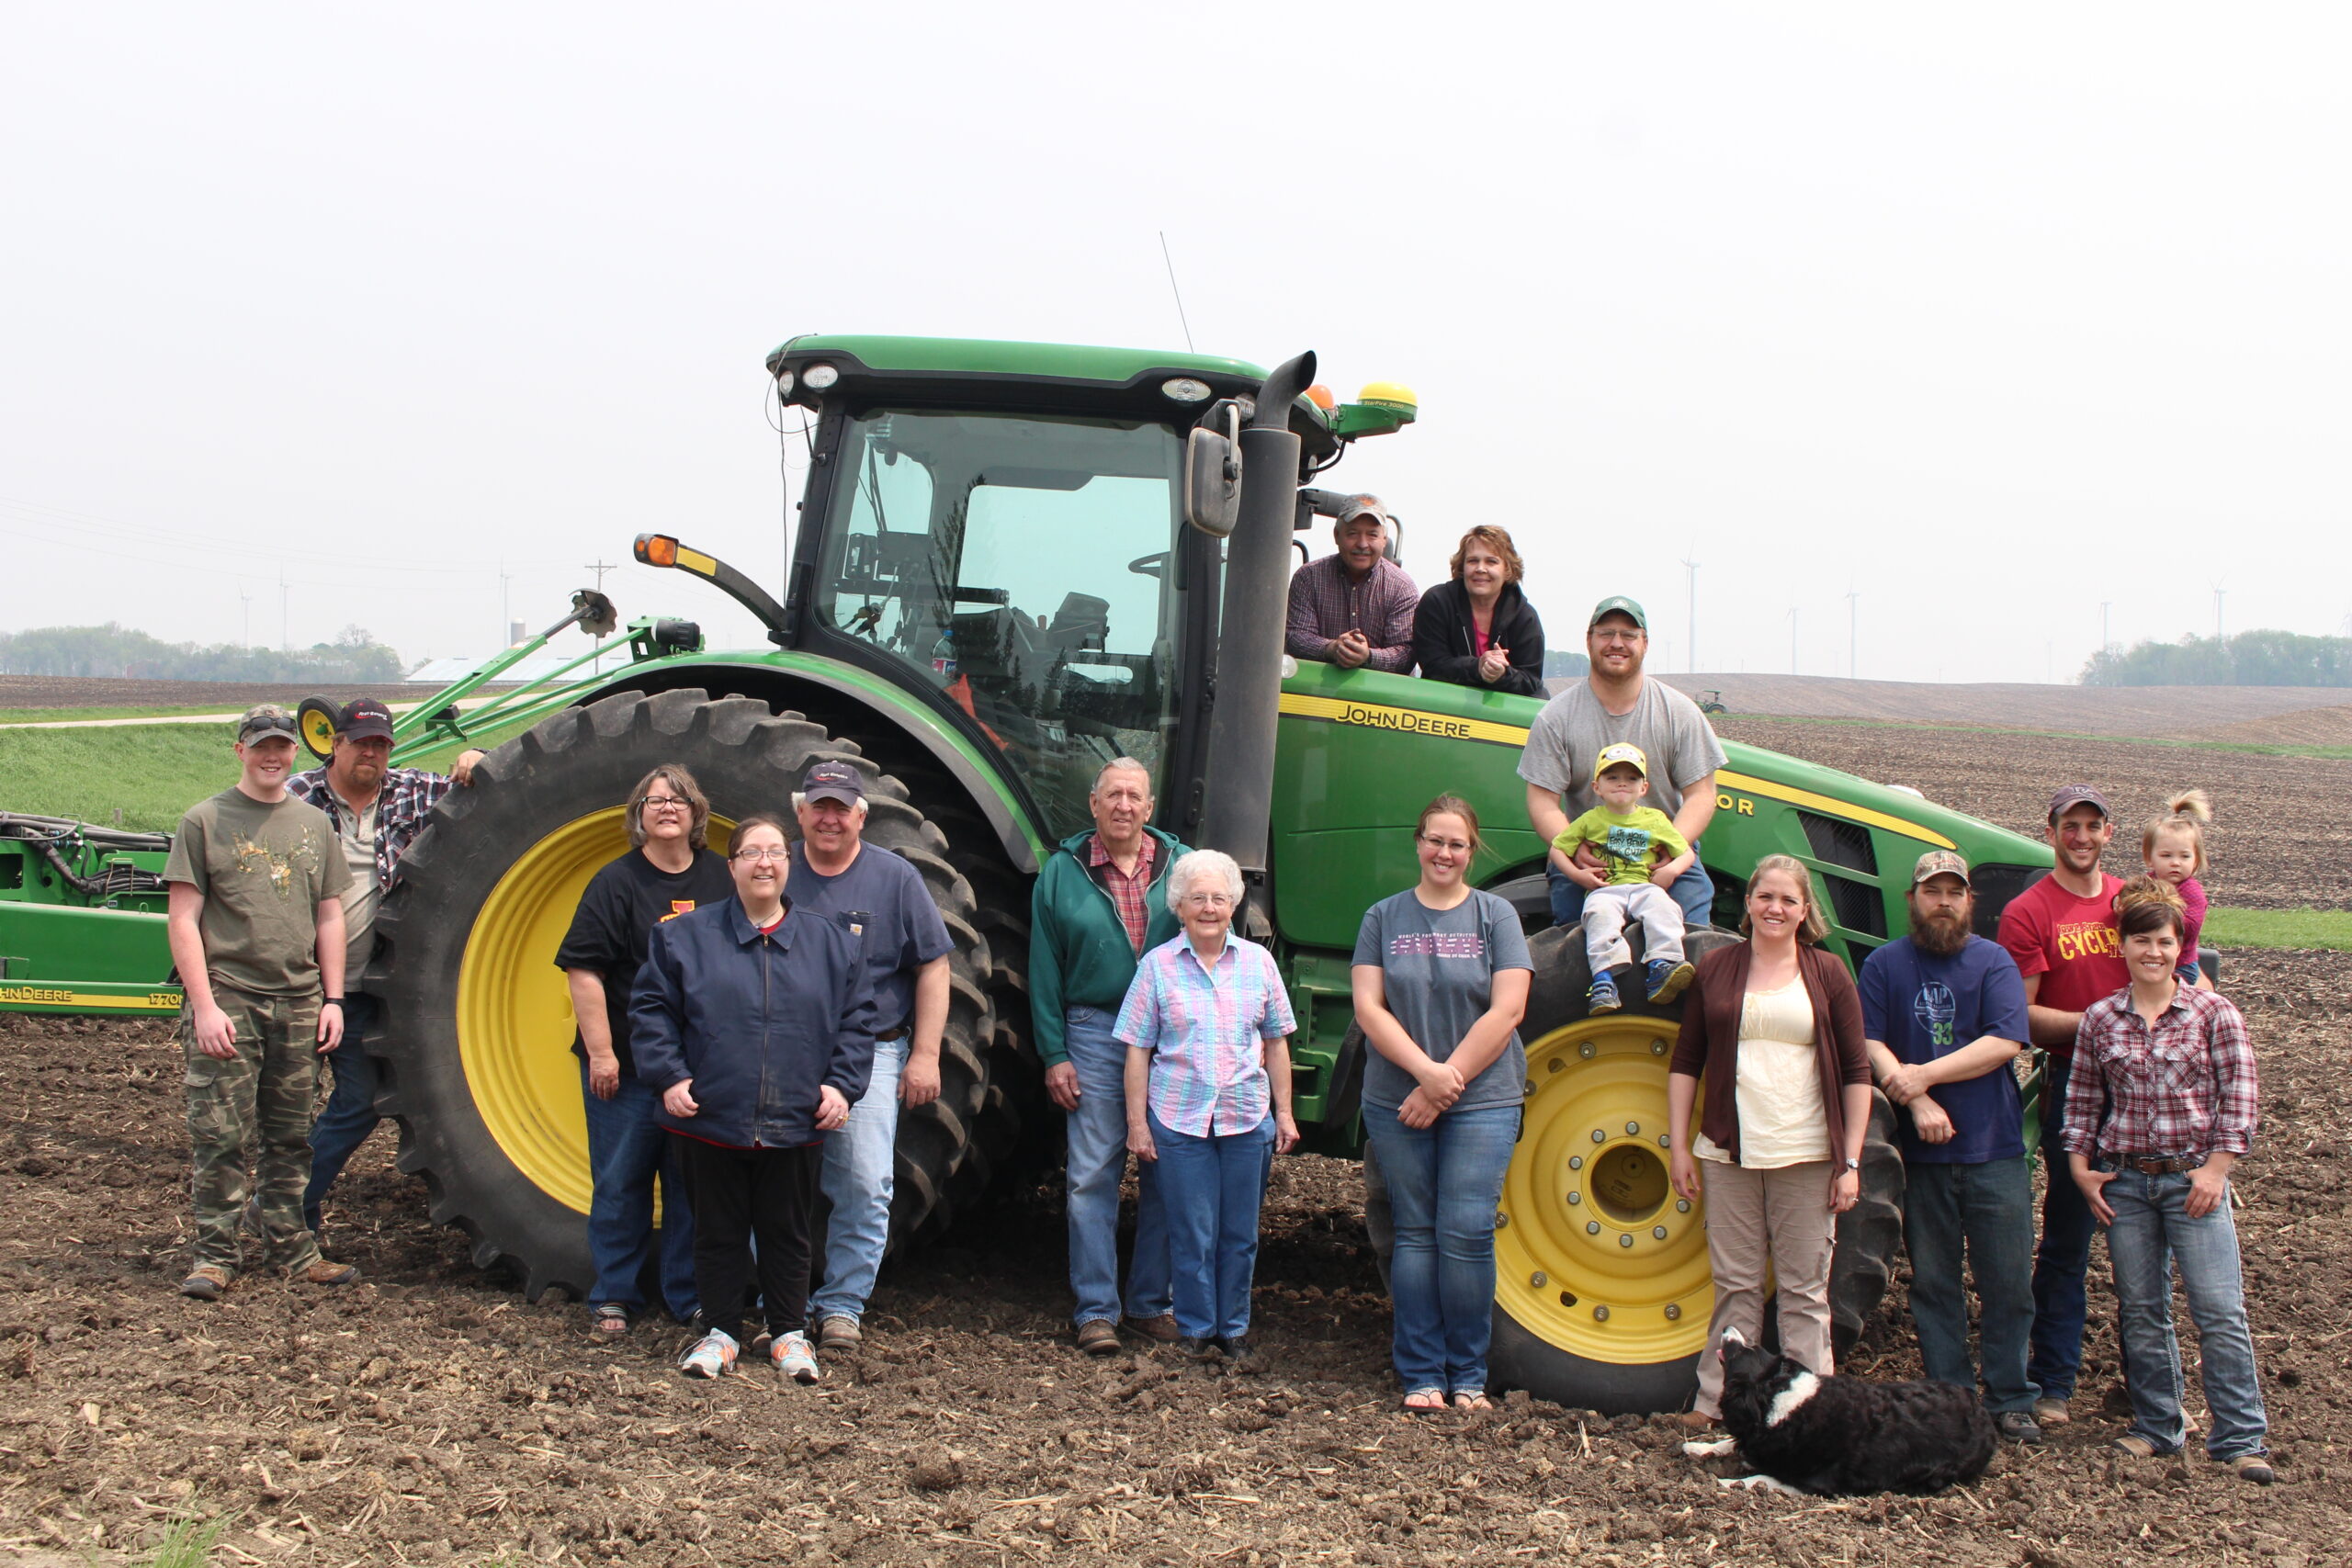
(1207, 1028)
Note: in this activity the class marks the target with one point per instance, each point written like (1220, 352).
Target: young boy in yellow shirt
(1641, 854)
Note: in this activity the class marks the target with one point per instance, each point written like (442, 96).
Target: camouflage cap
(264, 720)
(1940, 862)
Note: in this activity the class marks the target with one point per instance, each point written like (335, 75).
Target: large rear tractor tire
(477, 1063)
(1603, 1287)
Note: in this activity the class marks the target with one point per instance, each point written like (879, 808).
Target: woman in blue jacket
(745, 1021)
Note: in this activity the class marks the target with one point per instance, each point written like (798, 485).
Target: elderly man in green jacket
(1101, 901)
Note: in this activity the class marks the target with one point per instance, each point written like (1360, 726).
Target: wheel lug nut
(1658, 1047)
(1598, 1136)
(1593, 1227)
(1539, 1278)
(1674, 1312)
(1633, 1129)
(1682, 1206)
(1601, 1314)
(1576, 1162)
(1659, 1231)
(1624, 1241)
(1576, 1197)
(1585, 1050)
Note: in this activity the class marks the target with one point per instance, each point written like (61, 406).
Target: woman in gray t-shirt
(1440, 974)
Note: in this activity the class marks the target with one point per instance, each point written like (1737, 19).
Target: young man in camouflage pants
(256, 882)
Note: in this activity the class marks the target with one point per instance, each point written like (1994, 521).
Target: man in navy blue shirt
(1944, 1015)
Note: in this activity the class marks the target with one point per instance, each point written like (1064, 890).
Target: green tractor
(1013, 562)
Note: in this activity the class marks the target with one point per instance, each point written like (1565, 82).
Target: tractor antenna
(1176, 291)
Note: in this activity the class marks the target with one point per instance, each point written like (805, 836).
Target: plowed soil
(2268, 715)
(2280, 827)
(429, 1414)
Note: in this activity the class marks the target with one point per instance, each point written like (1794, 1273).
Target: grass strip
(61, 715)
(151, 774)
(2242, 747)
(2304, 930)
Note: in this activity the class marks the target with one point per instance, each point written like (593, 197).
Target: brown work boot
(1096, 1336)
(1160, 1330)
(326, 1273)
(206, 1281)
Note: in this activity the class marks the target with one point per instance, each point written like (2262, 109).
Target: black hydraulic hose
(1238, 803)
(49, 852)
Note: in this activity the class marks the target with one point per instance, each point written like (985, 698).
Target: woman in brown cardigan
(1776, 1026)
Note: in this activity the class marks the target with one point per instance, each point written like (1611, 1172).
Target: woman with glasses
(1207, 1025)
(751, 1022)
(1441, 978)
(667, 872)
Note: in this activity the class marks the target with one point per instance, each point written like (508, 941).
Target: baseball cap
(833, 781)
(263, 720)
(1623, 752)
(1362, 506)
(1617, 603)
(365, 719)
(1939, 863)
(2078, 794)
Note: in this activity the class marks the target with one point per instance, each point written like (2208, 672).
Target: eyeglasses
(661, 803)
(1208, 900)
(755, 855)
(1459, 846)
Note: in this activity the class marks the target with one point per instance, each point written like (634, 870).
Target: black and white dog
(1801, 1432)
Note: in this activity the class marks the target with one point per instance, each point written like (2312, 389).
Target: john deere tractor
(1013, 562)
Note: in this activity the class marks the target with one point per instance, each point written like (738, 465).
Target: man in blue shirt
(1944, 1015)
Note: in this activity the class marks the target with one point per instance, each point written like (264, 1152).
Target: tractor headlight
(1186, 389)
(818, 377)
(784, 379)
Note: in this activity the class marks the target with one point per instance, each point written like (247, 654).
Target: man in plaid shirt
(1354, 609)
(377, 810)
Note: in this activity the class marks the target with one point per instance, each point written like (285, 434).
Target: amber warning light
(657, 549)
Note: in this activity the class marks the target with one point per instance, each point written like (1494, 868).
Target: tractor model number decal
(1410, 721)
(22, 994)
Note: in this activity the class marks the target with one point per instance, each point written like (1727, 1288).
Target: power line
(1176, 291)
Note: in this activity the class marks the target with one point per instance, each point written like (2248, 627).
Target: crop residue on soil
(431, 1415)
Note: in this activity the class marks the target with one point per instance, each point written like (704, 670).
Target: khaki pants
(1759, 1220)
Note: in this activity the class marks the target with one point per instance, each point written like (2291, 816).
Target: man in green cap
(1615, 704)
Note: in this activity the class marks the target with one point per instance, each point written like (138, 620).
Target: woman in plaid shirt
(1207, 1027)
(2161, 1106)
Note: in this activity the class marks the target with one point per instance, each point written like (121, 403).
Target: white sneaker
(713, 1356)
(794, 1359)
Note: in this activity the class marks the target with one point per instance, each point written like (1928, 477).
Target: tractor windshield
(1021, 564)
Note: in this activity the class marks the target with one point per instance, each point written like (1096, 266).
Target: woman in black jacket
(1479, 629)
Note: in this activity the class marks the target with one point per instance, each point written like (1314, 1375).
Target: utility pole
(285, 635)
(505, 623)
(1690, 654)
(245, 637)
(1853, 636)
(600, 568)
(1792, 640)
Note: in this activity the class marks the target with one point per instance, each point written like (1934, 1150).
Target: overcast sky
(1988, 316)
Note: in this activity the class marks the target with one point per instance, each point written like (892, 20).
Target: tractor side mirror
(1212, 481)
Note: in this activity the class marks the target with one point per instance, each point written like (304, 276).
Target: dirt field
(2257, 714)
(431, 1415)
(2280, 823)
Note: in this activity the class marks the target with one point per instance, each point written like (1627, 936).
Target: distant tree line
(114, 650)
(2248, 659)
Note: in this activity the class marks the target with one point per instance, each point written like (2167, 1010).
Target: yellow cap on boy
(1623, 752)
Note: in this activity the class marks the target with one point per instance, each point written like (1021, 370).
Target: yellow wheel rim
(1594, 1254)
(318, 729)
(515, 1021)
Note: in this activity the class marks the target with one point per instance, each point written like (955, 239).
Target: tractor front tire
(476, 1052)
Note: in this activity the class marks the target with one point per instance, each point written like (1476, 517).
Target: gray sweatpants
(1606, 910)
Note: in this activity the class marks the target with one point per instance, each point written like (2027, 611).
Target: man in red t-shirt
(2061, 930)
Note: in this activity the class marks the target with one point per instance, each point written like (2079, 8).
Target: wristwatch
(1853, 1165)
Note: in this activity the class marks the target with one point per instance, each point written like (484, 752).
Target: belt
(898, 1033)
(2170, 1164)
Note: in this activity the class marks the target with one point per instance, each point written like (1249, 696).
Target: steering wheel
(1150, 566)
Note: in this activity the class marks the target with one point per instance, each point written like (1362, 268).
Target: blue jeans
(627, 1149)
(2064, 1256)
(1212, 1188)
(1445, 1181)
(857, 1183)
(1098, 1158)
(1986, 1210)
(1694, 890)
(2152, 1231)
(350, 1114)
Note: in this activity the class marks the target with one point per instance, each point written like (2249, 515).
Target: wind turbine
(1692, 568)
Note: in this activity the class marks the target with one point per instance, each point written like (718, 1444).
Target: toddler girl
(2173, 846)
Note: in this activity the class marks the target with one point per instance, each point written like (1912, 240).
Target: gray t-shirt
(882, 899)
(1439, 967)
(1573, 727)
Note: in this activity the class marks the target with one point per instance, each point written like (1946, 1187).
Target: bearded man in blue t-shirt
(1944, 1017)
